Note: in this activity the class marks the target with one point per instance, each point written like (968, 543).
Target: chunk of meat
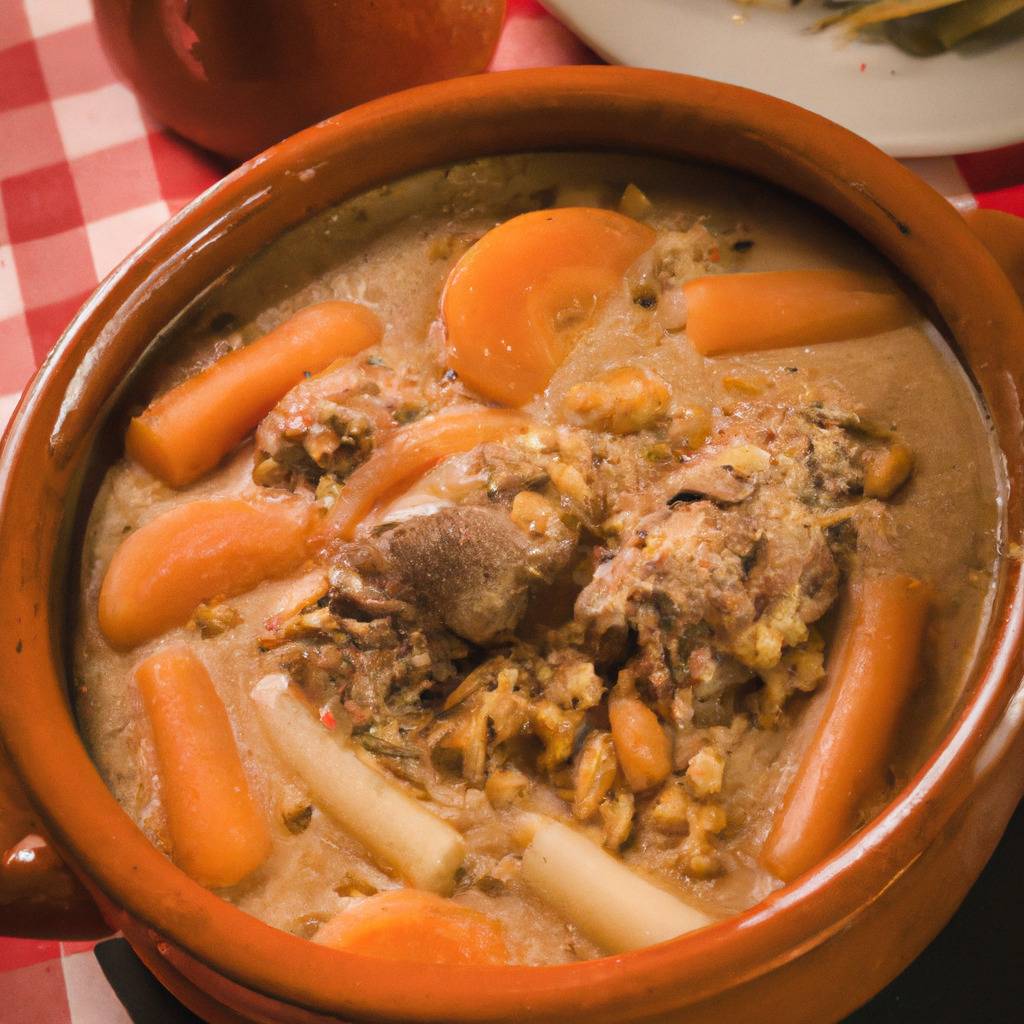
(656, 591)
(376, 667)
(753, 582)
(364, 642)
(735, 558)
(331, 422)
(704, 478)
(816, 453)
(400, 605)
(474, 567)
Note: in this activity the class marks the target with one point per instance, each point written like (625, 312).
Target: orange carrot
(408, 454)
(195, 552)
(187, 431)
(749, 312)
(516, 302)
(416, 926)
(218, 835)
(872, 672)
(641, 745)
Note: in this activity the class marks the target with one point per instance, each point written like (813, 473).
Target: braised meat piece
(505, 470)
(365, 641)
(331, 422)
(698, 578)
(474, 567)
(820, 454)
(737, 561)
(401, 603)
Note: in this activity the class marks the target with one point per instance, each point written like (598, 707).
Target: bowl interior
(55, 450)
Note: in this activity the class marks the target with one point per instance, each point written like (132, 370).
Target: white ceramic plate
(959, 102)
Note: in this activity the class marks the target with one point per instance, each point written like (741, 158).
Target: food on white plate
(920, 27)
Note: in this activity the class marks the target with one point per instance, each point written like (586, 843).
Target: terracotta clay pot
(812, 951)
(237, 76)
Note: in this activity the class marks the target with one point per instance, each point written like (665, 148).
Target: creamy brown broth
(392, 250)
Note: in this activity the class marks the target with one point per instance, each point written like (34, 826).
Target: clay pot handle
(1003, 236)
(39, 897)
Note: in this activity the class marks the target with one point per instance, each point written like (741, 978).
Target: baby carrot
(418, 927)
(217, 833)
(775, 309)
(408, 454)
(872, 673)
(187, 431)
(204, 549)
(640, 742)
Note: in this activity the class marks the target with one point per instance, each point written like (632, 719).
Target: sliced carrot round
(417, 927)
(516, 302)
(203, 549)
(408, 454)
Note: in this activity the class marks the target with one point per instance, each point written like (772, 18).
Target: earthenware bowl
(812, 951)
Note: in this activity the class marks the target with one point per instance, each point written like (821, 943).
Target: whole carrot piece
(871, 676)
(187, 431)
(218, 835)
(779, 308)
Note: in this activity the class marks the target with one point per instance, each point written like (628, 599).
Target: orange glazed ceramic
(238, 75)
(811, 952)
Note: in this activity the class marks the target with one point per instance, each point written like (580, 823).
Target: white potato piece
(394, 827)
(612, 905)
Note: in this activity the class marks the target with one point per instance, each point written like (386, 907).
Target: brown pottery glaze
(238, 75)
(811, 952)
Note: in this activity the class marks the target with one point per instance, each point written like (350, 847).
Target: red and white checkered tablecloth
(85, 175)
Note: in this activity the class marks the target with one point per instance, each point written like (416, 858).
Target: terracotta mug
(237, 76)
(810, 952)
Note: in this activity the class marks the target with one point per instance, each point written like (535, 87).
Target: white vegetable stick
(396, 829)
(608, 902)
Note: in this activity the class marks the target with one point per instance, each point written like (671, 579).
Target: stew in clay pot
(535, 559)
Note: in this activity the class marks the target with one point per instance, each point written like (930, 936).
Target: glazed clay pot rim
(585, 108)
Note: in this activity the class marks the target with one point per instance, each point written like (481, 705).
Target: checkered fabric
(56, 983)
(85, 176)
